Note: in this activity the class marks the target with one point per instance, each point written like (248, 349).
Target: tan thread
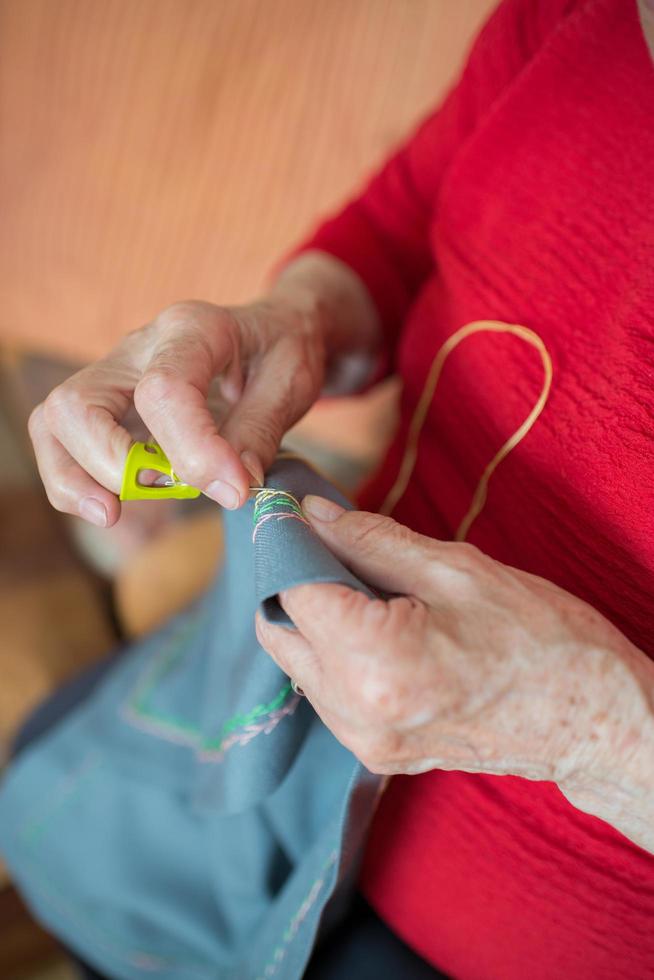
(422, 408)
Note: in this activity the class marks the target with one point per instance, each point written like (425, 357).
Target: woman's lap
(362, 946)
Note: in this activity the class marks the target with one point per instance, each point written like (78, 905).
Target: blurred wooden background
(155, 150)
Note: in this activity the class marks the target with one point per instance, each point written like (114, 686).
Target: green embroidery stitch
(270, 504)
(178, 729)
(268, 500)
(276, 504)
(240, 721)
(63, 794)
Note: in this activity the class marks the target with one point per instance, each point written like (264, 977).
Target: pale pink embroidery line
(281, 516)
(172, 734)
(291, 931)
(113, 946)
(246, 735)
(63, 792)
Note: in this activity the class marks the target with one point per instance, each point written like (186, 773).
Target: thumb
(380, 551)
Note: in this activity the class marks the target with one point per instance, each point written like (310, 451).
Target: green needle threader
(145, 457)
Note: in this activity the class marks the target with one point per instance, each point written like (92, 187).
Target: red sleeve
(383, 234)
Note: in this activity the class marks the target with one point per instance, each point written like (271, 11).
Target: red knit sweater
(528, 198)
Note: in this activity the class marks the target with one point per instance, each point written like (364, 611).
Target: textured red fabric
(528, 198)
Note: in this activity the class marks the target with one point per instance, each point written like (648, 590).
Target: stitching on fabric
(214, 749)
(78, 918)
(136, 711)
(30, 833)
(289, 934)
(71, 784)
(251, 731)
(176, 650)
(63, 793)
(281, 517)
(272, 503)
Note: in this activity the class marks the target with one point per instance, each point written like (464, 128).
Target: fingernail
(253, 465)
(321, 508)
(93, 511)
(224, 494)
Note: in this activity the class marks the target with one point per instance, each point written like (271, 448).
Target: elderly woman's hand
(263, 365)
(474, 666)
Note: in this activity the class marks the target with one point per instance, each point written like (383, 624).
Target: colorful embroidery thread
(281, 505)
(240, 729)
(291, 930)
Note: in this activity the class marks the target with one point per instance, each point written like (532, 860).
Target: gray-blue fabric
(194, 818)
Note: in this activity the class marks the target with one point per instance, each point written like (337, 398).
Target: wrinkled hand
(264, 361)
(475, 666)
